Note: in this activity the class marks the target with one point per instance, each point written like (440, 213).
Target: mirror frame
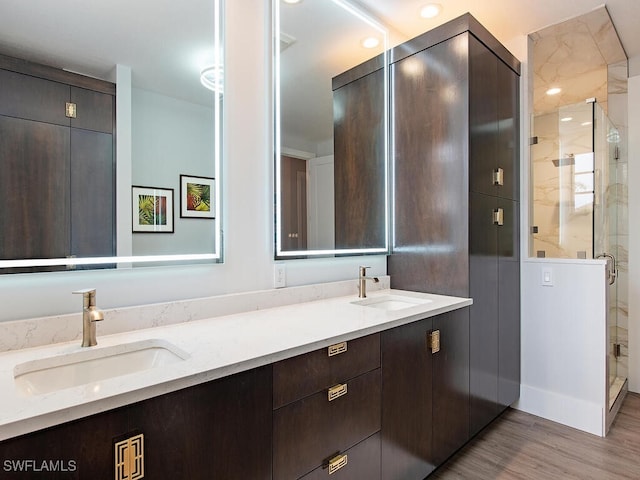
(217, 257)
(297, 254)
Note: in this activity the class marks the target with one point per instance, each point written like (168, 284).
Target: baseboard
(573, 412)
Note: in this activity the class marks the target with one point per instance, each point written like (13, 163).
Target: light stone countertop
(215, 348)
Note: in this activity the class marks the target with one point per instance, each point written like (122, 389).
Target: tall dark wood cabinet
(57, 188)
(425, 392)
(456, 152)
(359, 156)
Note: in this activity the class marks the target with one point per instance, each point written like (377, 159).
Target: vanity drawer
(362, 463)
(304, 375)
(308, 432)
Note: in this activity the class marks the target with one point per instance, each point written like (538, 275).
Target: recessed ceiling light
(566, 119)
(431, 10)
(585, 124)
(370, 42)
(292, 2)
(554, 91)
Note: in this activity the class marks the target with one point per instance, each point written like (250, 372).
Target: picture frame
(197, 197)
(152, 209)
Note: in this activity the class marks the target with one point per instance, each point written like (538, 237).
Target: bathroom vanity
(286, 392)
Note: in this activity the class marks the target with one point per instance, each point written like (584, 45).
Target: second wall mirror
(331, 142)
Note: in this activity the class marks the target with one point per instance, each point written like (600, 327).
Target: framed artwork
(152, 209)
(197, 197)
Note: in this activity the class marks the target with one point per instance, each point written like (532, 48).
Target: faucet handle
(85, 291)
(88, 296)
(363, 270)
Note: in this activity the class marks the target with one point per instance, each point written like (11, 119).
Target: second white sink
(94, 365)
(392, 302)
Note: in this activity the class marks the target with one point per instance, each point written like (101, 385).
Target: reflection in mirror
(330, 130)
(167, 98)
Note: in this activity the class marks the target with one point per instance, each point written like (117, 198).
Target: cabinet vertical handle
(498, 176)
(433, 341)
(337, 462)
(498, 216)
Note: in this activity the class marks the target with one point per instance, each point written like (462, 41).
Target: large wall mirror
(331, 142)
(167, 57)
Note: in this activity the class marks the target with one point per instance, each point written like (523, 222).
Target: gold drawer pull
(336, 463)
(433, 341)
(498, 176)
(337, 349)
(337, 391)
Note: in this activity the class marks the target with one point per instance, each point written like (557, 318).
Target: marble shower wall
(585, 58)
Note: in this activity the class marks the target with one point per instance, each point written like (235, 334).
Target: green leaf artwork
(152, 210)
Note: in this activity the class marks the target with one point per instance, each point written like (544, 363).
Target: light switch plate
(279, 275)
(547, 277)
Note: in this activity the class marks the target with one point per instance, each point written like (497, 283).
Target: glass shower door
(606, 140)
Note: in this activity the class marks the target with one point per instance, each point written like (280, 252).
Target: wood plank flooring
(521, 446)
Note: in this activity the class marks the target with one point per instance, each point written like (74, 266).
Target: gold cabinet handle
(337, 391)
(433, 341)
(498, 216)
(337, 462)
(337, 349)
(498, 176)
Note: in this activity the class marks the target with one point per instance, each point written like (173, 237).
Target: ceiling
(167, 45)
(508, 19)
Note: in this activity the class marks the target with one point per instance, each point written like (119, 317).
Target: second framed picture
(197, 197)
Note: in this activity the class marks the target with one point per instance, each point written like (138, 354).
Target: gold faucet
(362, 282)
(90, 315)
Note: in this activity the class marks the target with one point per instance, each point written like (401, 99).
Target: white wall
(172, 137)
(248, 206)
(634, 227)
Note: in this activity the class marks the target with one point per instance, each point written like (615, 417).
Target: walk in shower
(574, 153)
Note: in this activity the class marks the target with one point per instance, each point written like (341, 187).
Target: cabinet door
(450, 417)
(483, 117)
(31, 98)
(359, 166)
(76, 450)
(508, 154)
(220, 429)
(483, 273)
(493, 124)
(509, 304)
(94, 110)
(92, 194)
(34, 189)
(407, 442)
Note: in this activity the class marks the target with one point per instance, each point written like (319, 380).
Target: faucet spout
(362, 282)
(90, 315)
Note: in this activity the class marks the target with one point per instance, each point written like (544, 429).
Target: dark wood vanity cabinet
(220, 429)
(327, 412)
(57, 189)
(425, 394)
(456, 145)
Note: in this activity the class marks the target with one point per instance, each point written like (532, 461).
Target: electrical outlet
(279, 275)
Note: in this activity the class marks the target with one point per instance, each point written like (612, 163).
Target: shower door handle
(611, 272)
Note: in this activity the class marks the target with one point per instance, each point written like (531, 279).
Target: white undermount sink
(392, 302)
(94, 364)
